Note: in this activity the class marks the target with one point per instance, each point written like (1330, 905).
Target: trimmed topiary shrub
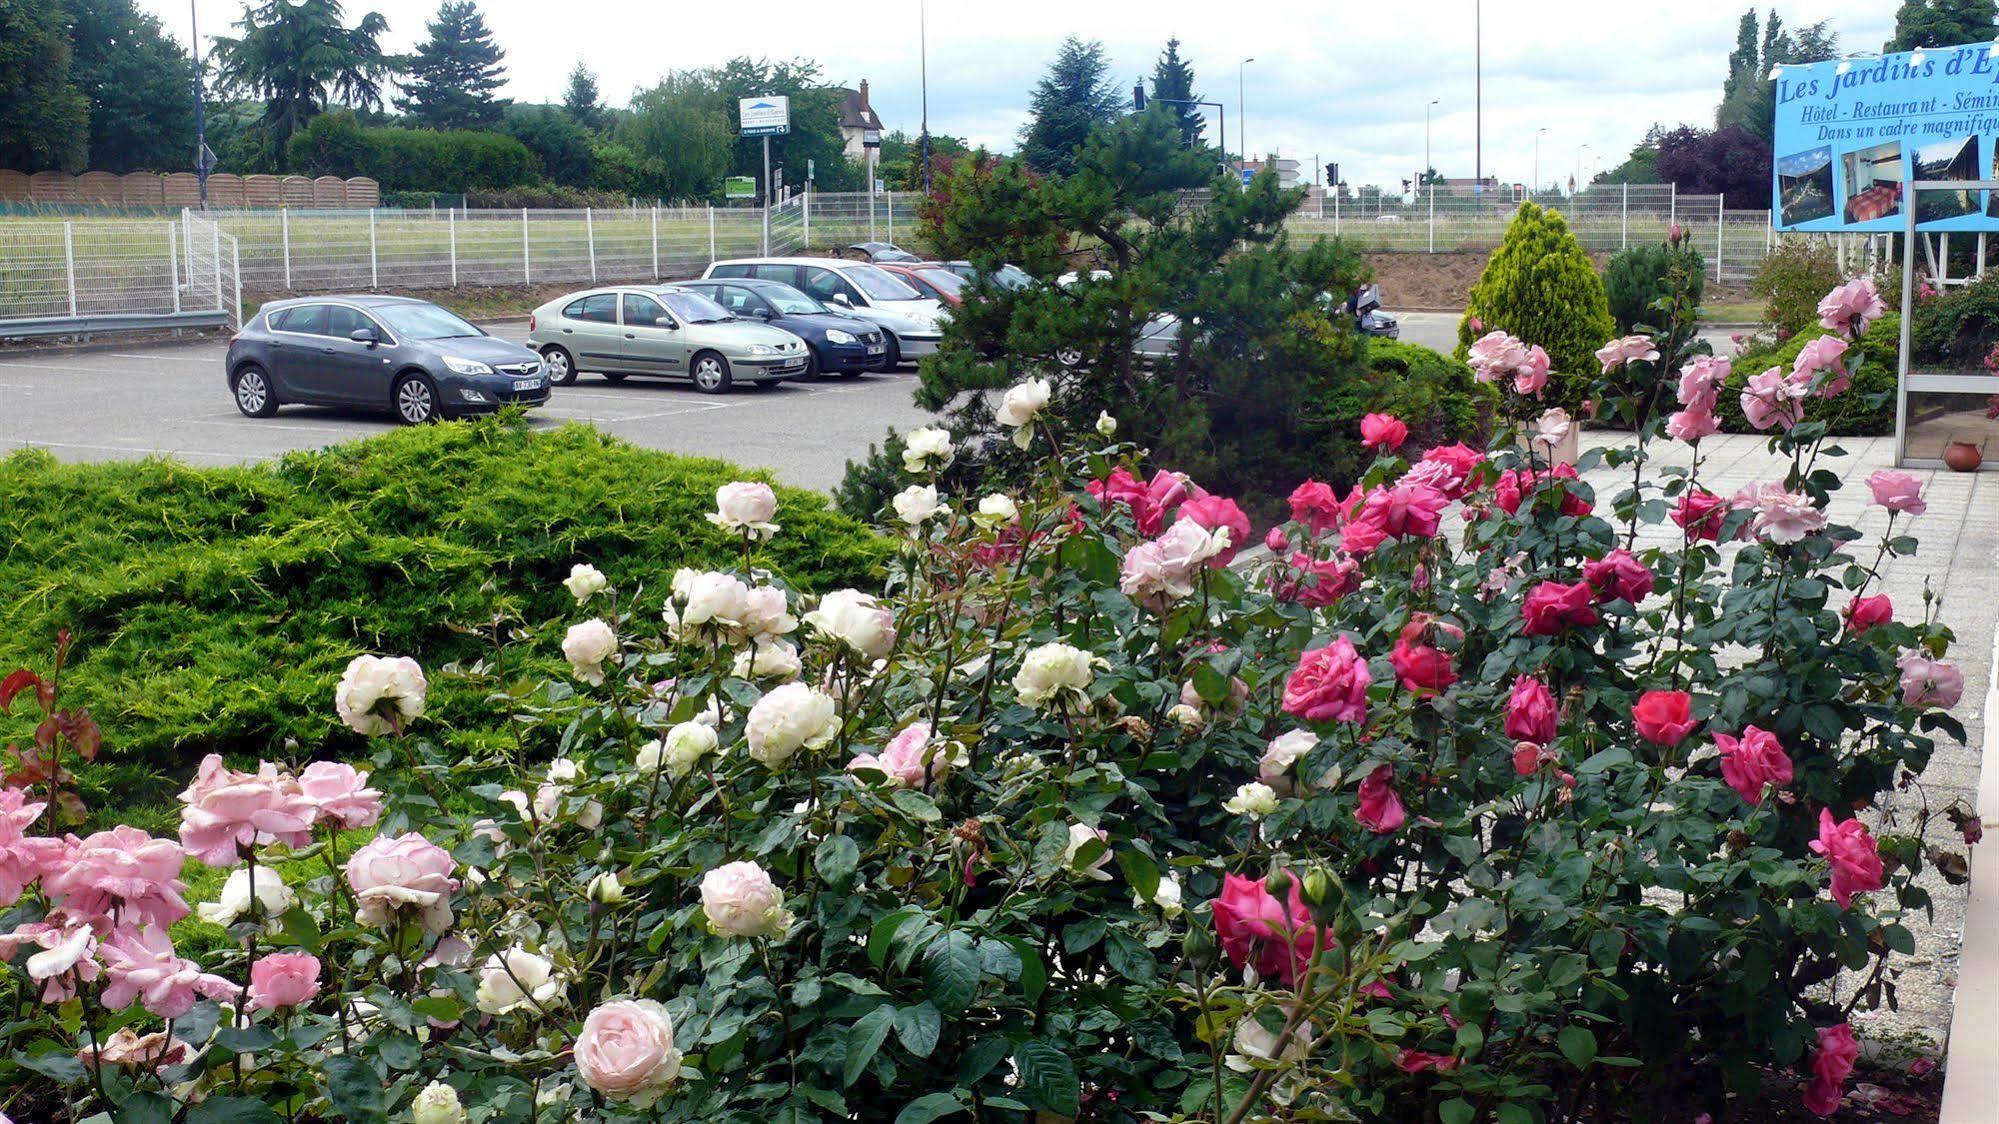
(1433, 393)
(212, 606)
(1639, 276)
(1860, 412)
(1540, 286)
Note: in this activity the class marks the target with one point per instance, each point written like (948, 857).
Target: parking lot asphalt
(170, 399)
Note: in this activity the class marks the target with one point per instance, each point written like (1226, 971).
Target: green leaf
(1033, 973)
(931, 1106)
(951, 972)
(1048, 1077)
(62, 1068)
(233, 1110)
(918, 1027)
(355, 1090)
(916, 805)
(301, 929)
(864, 1040)
(1457, 1110)
(1130, 958)
(244, 1039)
(145, 1108)
(836, 858)
(1141, 871)
(882, 937)
(1512, 1113)
(1578, 1045)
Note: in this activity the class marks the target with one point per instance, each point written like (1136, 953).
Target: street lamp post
(1242, 118)
(1536, 185)
(923, 65)
(200, 124)
(1577, 189)
(1429, 180)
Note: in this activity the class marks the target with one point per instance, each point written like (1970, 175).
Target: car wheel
(560, 365)
(711, 373)
(416, 400)
(614, 376)
(894, 357)
(812, 368)
(255, 395)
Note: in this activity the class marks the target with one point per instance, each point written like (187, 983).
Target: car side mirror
(362, 335)
(841, 300)
(663, 322)
(761, 313)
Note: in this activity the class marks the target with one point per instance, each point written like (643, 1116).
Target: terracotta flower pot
(1962, 456)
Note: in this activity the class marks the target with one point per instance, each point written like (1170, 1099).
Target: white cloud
(1332, 81)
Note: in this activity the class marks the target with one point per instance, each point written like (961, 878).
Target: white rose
(1254, 800)
(585, 581)
(706, 603)
(1553, 426)
(768, 659)
(686, 744)
(996, 509)
(740, 900)
(548, 807)
(1187, 544)
(1106, 424)
(272, 894)
(1051, 672)
(586, 646)
(853, 618)
(1284, 751)
(1254, 1040)
(1167, 897)
(605, 889)
(379, 694)
(790, 718)
(563, 771)
(517, 979)
(917, 503)
(1080, 836)
(1186, 717)
(745, 507)
(925, 449)
(1019, 407)
(766, 613)
(437, 1104)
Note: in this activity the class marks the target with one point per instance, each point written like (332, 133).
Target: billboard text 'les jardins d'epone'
(1849, 134)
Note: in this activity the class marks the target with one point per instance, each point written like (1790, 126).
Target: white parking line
(261, 424)
(127, 450)
(165, 358)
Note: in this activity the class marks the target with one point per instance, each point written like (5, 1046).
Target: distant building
(857, 121)
(1287, 170)
(1465, 185)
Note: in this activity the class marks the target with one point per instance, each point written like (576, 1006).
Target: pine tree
(1173, 78)
(1541, 287)
(1070, 102)
(581, 99)
(1942, 23)
(455, 73)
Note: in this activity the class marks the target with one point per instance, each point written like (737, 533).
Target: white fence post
(590, 241)
(805, 206)
(173, 263)
(374, 259)
(1433, 217)
(285, 224)
(655, 242)
(1336, 214)
(451, 225)
(1624, 227)
(69, 261)
(527, 271)
(891, 215)
(711, 233)
(215, 256)
(236, 269)
(1672, 205)
(1720, 228)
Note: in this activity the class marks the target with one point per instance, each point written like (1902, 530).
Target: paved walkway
(1958, 559)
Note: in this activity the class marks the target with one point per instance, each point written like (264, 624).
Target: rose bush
(1483, 797)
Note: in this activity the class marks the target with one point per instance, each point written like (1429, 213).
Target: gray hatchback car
(408, 356)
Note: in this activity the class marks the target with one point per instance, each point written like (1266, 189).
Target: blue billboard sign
(1849, 134)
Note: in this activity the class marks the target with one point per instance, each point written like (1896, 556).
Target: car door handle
(630, 336)
(327, 350)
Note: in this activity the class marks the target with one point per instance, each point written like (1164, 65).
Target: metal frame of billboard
(1906, 380)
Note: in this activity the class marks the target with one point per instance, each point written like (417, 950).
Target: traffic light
(1138, 96)
(1333, 172)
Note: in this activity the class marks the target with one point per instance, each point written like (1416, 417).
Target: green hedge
(337, 144)
(214, 608)
(1865, 410)
(1433, 393)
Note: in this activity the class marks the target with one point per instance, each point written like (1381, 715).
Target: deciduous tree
(140, 85)
(44, 120)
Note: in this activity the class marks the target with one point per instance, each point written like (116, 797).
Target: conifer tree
(1173, 79)
(1541, 286)
(580, 98)
(1070, 102)
(455, 73)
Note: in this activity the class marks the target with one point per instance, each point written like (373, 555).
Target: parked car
(1008, 276)
(660, 330)
(881, 252)
(839, 343)
(399, 354)
(931, 280)
(1365, 308)
(910, 320)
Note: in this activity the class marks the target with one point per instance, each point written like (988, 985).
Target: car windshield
(423, 322)
(789, 301)
(695, 308)
(1013, 277)
(879, 284)
(943, 279)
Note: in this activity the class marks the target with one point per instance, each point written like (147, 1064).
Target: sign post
(765, 117)
(871, 143)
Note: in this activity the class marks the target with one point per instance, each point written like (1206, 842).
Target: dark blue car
(840, 344)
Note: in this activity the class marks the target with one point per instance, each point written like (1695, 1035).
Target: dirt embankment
(1439, 282)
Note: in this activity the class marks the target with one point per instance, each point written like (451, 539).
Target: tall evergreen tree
(300, 56)
(581, 98)
(455, 73)
(1173, 78)
(1942, 23)
(44, 120)
(1748, 96)
(140, 85)
(1069, 103)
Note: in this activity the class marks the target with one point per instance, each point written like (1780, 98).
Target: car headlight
(835, 335)
(762, 349)
(467, 366)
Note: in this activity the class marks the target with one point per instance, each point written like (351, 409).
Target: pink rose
(1329, 684)
(67, 954)
(141, 964)
(1900, 492)
(406, 875)
(1531, 711)
(283, 979)
(1316, 506)
(1770, 399)
(1552, 608)
(1782, 516)
(1863, 613)
(1855, 858)
(122, 871)
(625, 1051)
(903, 759)
(1494, 355)
(339, 794)
(1218, 513)
(1701, 382)
(1416, 1061)
(23, 857)
(1851, 307)
(1629, 349)
(225, 811)
(1832, 1063)
(1700, 514)
(1517, 485)
(1692, 424)
(1316, 582)
(1619, 576)
(1384, 432)
(1822, 354)
(1929, 682)
(1277, 542)
(1276, 938)
(741, 901)
(1421, 666)
(1532, 372)
(1751, 761)
(1460, 460)
(1380, 809)
(1664, 717)
(1404, 511)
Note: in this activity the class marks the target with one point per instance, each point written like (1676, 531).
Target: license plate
(527, 384)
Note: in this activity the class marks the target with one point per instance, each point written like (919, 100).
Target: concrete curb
(1971, 1059)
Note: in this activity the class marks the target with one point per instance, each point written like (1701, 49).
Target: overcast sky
(1335, 79)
